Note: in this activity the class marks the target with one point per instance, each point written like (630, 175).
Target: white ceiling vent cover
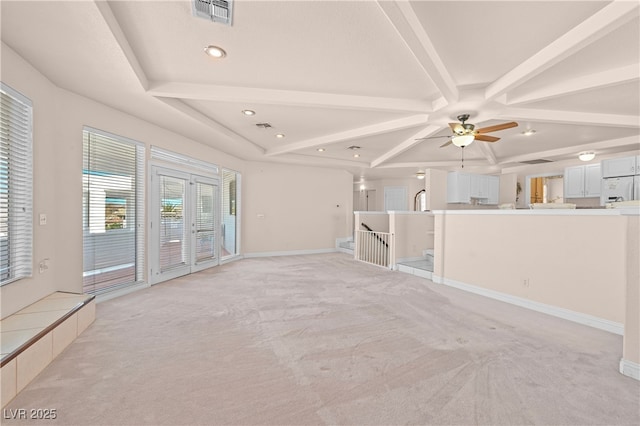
(214, 10)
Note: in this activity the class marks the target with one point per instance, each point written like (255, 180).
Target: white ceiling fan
(465, 133)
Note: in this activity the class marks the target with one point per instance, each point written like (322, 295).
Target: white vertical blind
(174, 226)
(205, 221)
(16, 185)
(230, 192)
(113, 211)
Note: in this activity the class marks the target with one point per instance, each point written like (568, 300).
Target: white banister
(376, 248)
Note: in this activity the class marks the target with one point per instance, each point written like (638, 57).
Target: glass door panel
(173, 232)
(205, 222)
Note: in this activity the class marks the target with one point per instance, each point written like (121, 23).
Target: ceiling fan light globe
(462, 140)
(587, 155)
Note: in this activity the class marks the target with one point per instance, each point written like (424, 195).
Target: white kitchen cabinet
(479, 186)
(582, 181)
(458, 187)
(489, 189)
(494, 190)
(623, 166)
(574, 182)
(462, 187)
(636, 187)
(592, 180)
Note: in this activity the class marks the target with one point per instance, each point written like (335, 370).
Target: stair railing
(374, 247)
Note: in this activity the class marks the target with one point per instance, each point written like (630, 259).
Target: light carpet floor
(323, 339)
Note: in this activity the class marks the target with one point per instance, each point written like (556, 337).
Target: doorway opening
(547, 188)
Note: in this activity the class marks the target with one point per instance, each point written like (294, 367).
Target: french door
(184, 223)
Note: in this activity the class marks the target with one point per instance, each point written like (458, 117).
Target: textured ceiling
(332, 74)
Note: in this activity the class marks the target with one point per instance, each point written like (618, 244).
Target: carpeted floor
(322, 339)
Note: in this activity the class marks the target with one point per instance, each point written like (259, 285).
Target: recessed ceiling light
(320, 149)
(279, 135)
(356, 155)
(528, 132)
(215, 52)
(248, 112)
(420, 175)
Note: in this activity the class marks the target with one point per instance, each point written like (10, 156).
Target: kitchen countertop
(545, 212)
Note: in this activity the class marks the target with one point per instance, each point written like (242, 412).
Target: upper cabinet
(582, 181)
(458, 187)
(462, 187)
(624, 166)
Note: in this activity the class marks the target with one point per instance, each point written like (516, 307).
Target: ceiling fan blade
(456, 128)
(486, 138)
(497, 127)
(449, 142)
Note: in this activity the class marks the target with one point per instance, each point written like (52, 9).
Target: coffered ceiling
(336, 74)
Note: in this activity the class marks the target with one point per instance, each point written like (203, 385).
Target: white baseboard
(630, 369)
(578, 317)
(289, 253)
(415, 271)
(409, 259)
(231, 259)
(121, 292)
(344, 250)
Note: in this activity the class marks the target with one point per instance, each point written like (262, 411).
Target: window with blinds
(112, 211)
(230, 192)
(16, 185)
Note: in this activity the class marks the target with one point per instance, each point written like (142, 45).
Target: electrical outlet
(43, 218)
(525, 282)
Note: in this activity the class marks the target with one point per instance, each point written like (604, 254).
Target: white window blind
(113, 211)
(230, 212)
(16, 185)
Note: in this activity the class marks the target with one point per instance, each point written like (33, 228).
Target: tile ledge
(30, 341)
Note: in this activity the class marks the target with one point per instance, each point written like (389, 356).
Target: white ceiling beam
(252, 95)
(360, 132)
(408, 143)
(207, 121)
(432, 164)
(630, 141)
(115, 28)
(404, 19)
(487, 151)
(593, 28)
(319, 161)
(571, 117)
(578, 85)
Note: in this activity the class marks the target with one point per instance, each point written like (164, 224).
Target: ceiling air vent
(263, 125)
(214, 10)
(538, 161)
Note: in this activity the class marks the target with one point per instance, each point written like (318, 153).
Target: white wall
(290, 208)
(436, 186)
